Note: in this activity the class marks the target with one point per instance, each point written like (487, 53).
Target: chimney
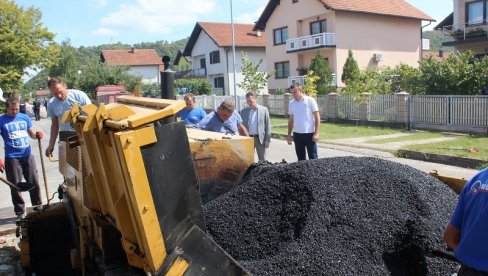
(132, 49)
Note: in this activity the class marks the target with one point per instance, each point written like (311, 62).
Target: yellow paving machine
(132, 195)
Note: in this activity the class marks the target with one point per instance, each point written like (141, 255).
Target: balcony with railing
(300, 80)
(310, 42)
(467, 33)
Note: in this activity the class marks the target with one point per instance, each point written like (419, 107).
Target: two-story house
(145, 63)
(379, 33)
(466, 27)
(212, 56)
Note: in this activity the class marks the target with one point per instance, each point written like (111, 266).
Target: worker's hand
(289, 140)
(315, 137)
(2, 166)
(49, 151)
(266, 144)
(39, 135)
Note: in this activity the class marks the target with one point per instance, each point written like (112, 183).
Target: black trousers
(37, 114)
(304, 141)
(15, 168)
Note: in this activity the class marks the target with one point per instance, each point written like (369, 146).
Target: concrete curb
(442, 159)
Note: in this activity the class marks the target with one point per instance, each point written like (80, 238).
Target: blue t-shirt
(471, 216)
(192, 117)
(57, 108)
(15, 135)
(212, 122)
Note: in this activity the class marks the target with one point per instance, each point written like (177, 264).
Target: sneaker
(37, 208)
(20, 215)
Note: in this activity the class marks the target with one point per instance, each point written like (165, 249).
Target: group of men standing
(254, 121)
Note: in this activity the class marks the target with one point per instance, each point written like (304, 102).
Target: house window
(203, 63)
(318, 27)
(280, 35)
(214, 57)
(219, 82)
(282, 70)
(476, 12)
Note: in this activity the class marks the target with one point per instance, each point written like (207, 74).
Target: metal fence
(348, 107)
(382, 108)
(467, 114)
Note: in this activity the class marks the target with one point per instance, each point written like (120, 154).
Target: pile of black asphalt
(334, 216)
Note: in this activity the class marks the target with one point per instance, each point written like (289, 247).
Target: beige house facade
(379, 33)
(466, 27)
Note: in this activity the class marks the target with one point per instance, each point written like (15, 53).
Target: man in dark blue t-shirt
(191, 114)
(467, 231)
(16, 129)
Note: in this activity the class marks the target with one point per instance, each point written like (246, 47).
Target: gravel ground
(342, 216)
(10, 263)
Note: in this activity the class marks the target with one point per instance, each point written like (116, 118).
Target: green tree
(310, 86)
(195, 86)
(68, 67)
(254, 80)
(351, 69)
(320, 67)
(459, 74)
(96, 74)
(24, 43)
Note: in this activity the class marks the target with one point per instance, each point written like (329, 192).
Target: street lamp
(233, 54)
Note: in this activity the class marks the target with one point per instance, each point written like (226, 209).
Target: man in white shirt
(304, 120)
(256, 119)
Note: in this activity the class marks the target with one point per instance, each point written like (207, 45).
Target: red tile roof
(42, 92)
(131, 57)
(221, 34)
(439, 56)
(387, 7)
(399, 8)
(244, 36)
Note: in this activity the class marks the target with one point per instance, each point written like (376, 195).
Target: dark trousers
(15, 168)
(37, 114)
(467, 271)
(304, 141)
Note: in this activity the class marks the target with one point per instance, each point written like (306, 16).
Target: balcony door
(318, 27)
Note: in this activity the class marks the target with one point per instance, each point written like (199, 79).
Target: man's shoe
(37, 208)
(20, 215)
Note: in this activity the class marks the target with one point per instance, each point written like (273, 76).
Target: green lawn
(413, 136)
(470, 146)
(336, 131)
(466, 146)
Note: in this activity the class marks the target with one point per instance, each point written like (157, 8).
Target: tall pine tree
(350, 70)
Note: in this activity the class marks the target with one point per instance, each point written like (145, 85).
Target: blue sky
(95, 22)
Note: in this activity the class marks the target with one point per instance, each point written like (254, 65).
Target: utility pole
(234, 55)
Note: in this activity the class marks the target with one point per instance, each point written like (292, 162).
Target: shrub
(195, 86)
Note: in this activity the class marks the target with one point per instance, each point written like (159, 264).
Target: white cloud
(156, 16)
(249, 18)
(105, 32)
